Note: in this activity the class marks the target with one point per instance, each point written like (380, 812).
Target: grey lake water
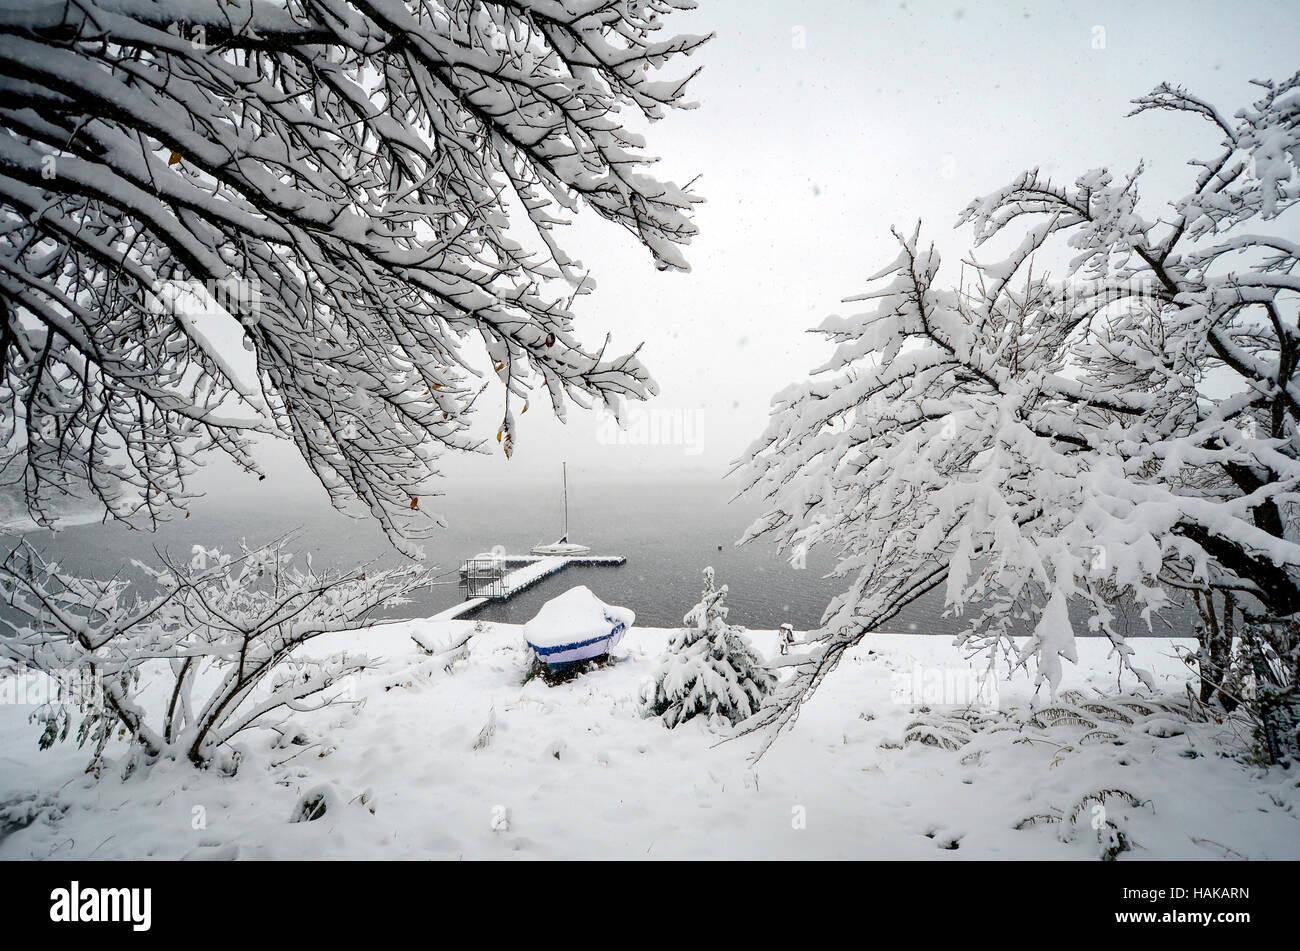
(668, 533)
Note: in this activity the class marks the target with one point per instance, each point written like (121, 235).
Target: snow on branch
(351, 189)
(222, 632)
(1026, 445)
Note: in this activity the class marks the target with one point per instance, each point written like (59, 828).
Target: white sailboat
(563, 546)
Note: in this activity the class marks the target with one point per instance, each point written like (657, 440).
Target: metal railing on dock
(498, 578)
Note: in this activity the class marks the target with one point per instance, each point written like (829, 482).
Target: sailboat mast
(566, 500)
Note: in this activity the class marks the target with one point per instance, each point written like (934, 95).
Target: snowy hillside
(451, 755)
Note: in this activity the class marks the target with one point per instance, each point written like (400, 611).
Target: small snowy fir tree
(709, 669)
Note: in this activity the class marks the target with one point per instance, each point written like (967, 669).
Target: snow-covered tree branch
(220, 632)
(1024, 444)
(353, 188)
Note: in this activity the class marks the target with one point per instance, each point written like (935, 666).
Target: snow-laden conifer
(709, 669)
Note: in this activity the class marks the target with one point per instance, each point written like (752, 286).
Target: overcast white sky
(887, 113)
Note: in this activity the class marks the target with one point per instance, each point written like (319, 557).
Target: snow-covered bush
(1020, 444)
(219, 631)
(1270, 651)
(709, 670)
(355, 191)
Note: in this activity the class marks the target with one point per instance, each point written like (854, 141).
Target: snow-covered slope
(453, 756)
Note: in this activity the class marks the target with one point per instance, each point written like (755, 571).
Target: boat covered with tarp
(574, 627)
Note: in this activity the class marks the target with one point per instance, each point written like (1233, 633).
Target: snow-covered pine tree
(709, 670)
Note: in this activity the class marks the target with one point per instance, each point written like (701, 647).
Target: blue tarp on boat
(576, 626)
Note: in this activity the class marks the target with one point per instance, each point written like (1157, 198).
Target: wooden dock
(498, 579)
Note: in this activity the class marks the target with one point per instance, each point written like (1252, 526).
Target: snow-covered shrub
(219, 631)
(19, 813)
(1022, 444)
(354, 192)
(1100, 810)
(1271, 652)
(314, 804)
(709, 669)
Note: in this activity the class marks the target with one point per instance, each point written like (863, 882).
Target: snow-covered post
(709, 669)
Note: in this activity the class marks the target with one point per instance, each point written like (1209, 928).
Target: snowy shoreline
(22, 524)
(575, 771)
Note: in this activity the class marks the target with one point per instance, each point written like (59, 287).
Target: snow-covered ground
(462, 759)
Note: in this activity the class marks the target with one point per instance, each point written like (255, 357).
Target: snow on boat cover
(576, 626)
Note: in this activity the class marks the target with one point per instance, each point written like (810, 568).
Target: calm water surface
(667, 531)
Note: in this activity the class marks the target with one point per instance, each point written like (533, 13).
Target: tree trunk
(1214, 654)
